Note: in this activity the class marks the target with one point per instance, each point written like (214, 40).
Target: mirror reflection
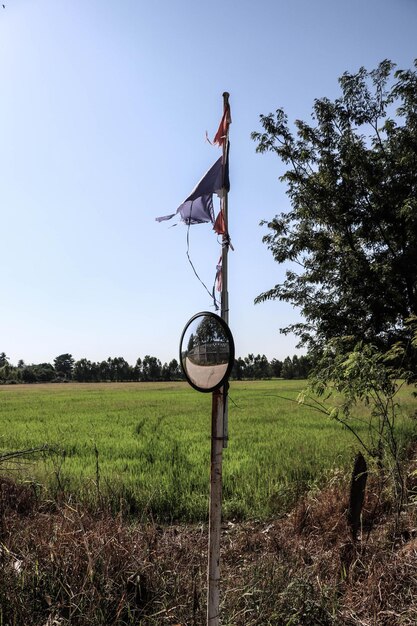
(206, 351)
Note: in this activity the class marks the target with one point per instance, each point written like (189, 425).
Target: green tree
(344, 381)
(4, 373)
(304, 366)
(287, 369)
(104, 370)
(174, 370)
(151, 368)
(238, 371)
(261, 367)
(209, 330)
(4, 360)
(44, 372)
(137, 370)
(64, 364)
(276, 367)
(28, 374)
(121, 370)
(350, 237)
(83, 371)
(249, 365)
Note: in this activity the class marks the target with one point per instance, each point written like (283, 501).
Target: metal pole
(215, 516)
(225, 285)
(225, 248)
(217, 443)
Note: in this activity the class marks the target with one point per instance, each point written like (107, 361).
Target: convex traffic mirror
(207, 351)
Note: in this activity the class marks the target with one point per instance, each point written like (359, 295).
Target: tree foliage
(350, 237)
(259, 368)
(342, 380)
(148, 369)
(64, 365)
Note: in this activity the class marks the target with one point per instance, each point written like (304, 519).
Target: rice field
(144, 448)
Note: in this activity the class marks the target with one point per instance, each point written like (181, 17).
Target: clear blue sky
(104, 107)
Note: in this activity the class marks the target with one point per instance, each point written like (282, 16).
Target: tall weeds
(63, 564)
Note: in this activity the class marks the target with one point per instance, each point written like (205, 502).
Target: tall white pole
(217, 441)
(225, 252)
(215, 515)
(225, 242)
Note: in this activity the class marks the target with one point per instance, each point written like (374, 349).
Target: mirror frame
(229, 336)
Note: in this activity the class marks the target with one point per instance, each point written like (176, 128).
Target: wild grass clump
(64, 564)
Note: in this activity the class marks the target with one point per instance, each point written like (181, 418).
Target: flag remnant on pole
(222, 132)
(197, 208)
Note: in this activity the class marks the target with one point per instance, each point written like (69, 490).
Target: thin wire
(215, 302)
(233, 402)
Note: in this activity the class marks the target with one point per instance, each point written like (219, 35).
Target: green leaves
(352, 230)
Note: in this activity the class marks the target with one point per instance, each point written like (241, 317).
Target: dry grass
(64, 565)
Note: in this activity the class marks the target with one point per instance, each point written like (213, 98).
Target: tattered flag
(222, 132)
(198, 207)
(220, 224)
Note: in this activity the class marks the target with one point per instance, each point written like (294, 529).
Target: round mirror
(207, 351)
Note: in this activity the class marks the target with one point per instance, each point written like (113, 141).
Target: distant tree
(120, 370)
(238, 371)
(276, 367)
(151, 368)
(304, 365)
(28, 374)
(44, 372)
(64, 364)
(258, 367)
(351, 235)
(83, 371)
(295, 366)
(261, 367)
(3, 359)
(104, 371)
(165, 373)
(36, 373)
(137, 370)
(249, 366)
(209, 331)
(174, 370)
(4, 373)
(287, 370)
(191, 341)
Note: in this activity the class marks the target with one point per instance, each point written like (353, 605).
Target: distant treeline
(258, 367)
(148, 369)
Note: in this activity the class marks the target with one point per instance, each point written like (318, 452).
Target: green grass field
(145, 447)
